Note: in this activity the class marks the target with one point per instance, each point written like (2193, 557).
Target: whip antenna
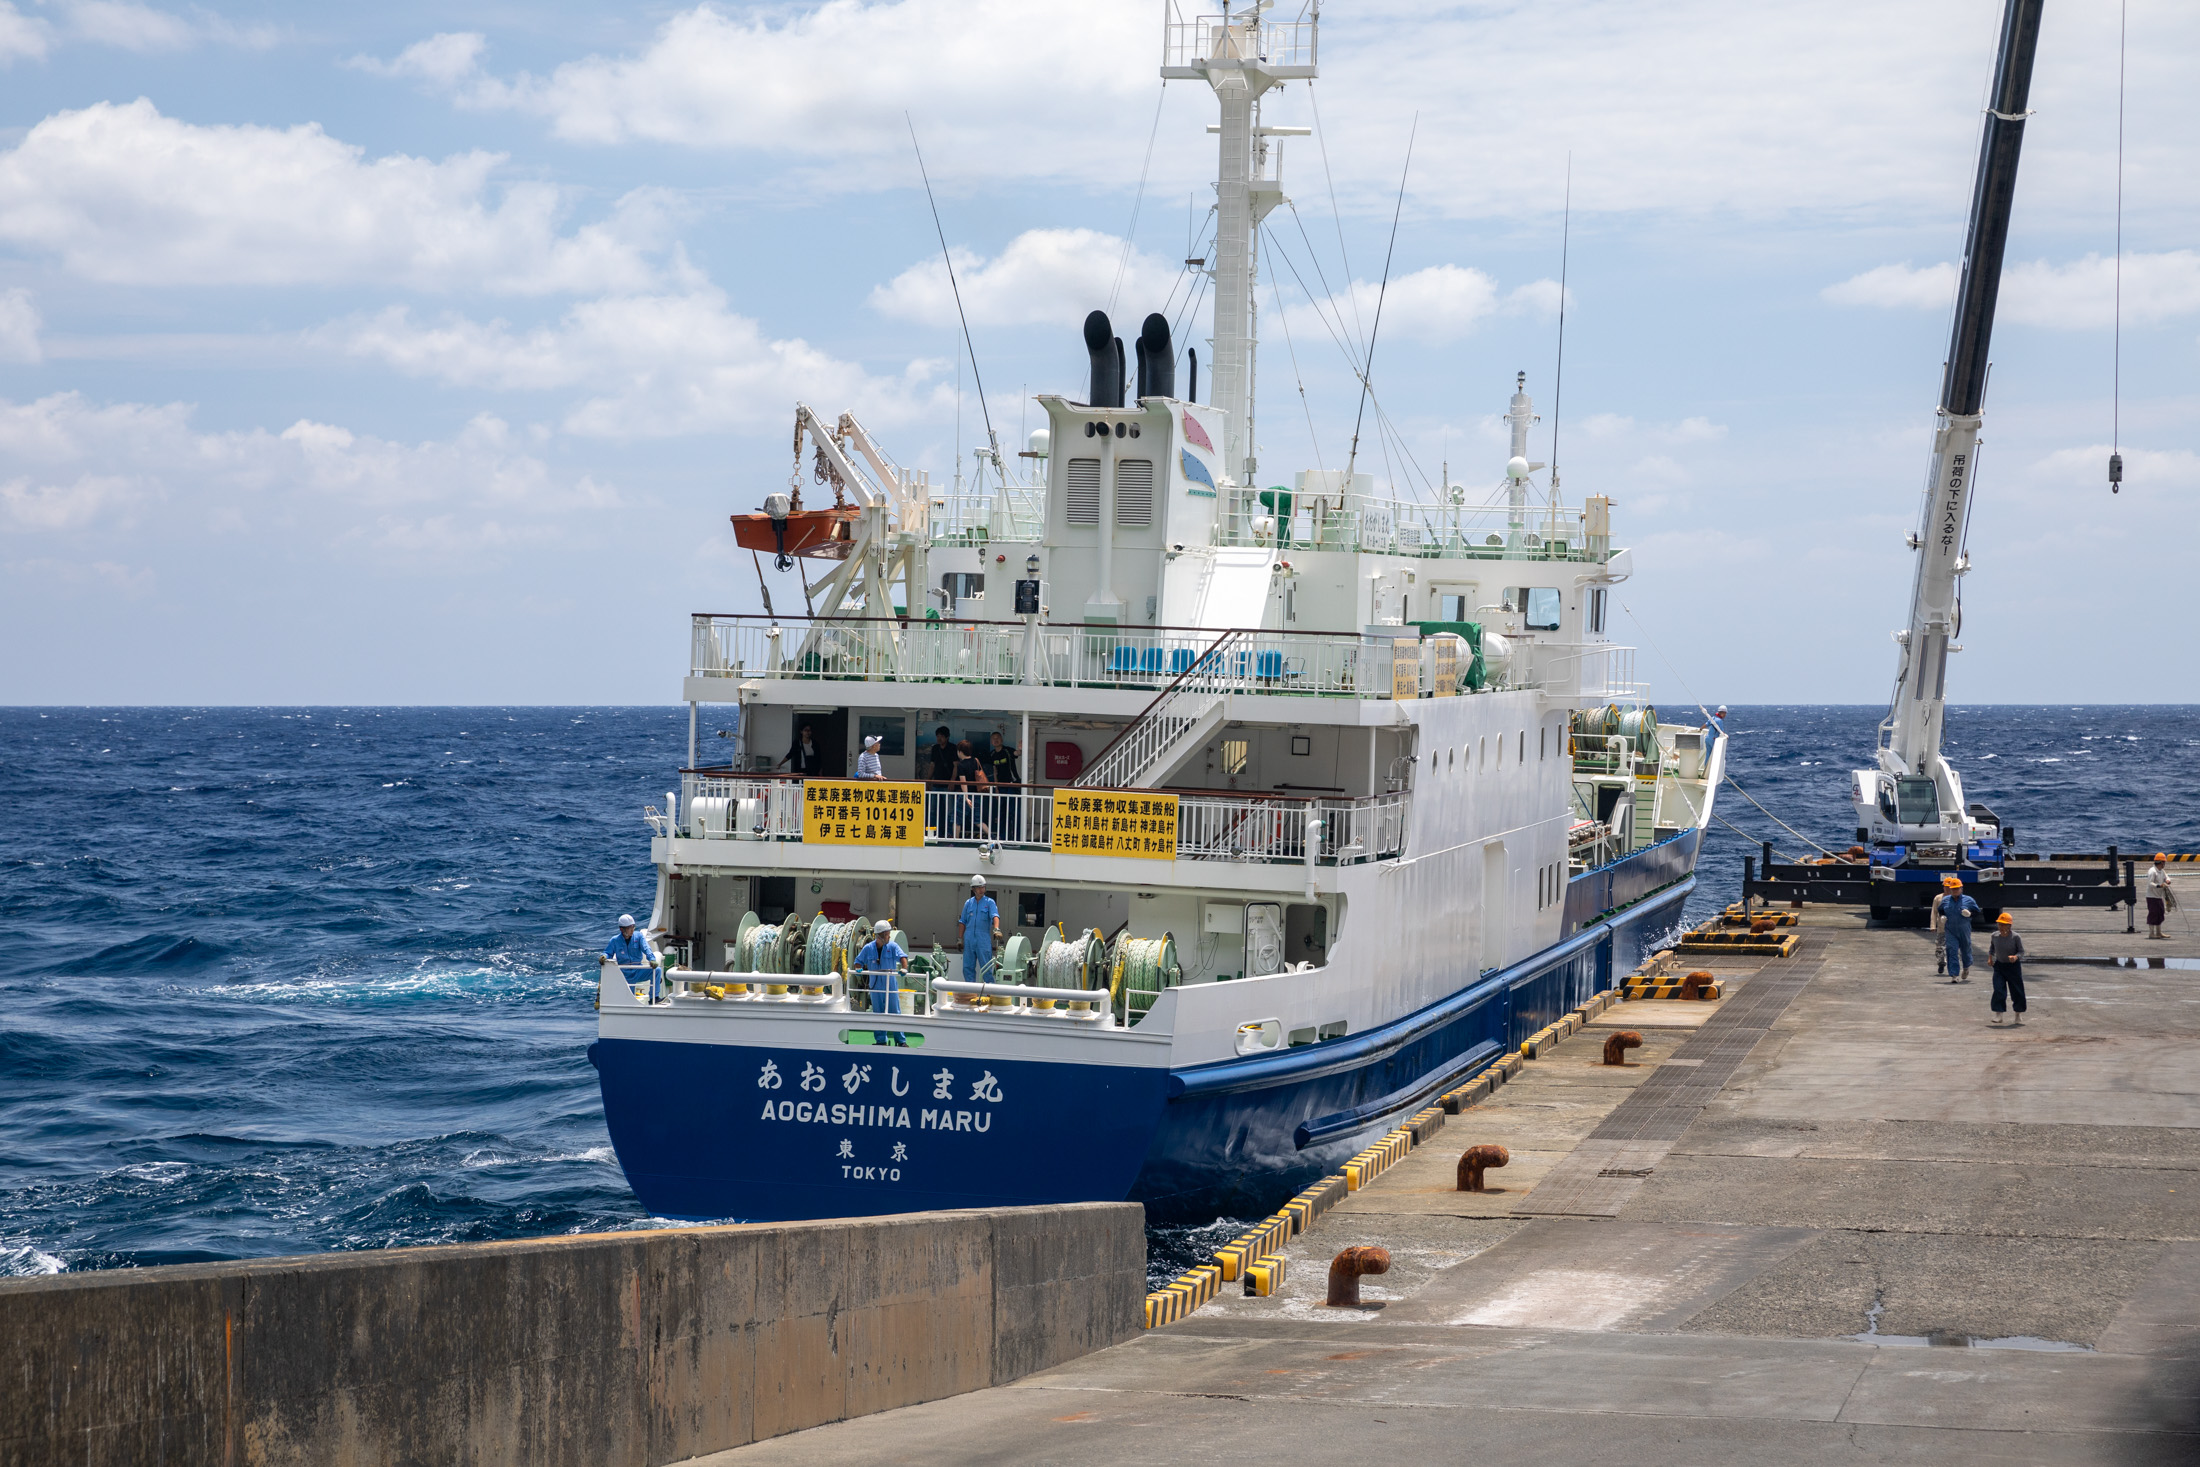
(991, 438)
(1558, 378)
(2116, 392)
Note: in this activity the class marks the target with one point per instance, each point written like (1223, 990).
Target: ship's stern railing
(1219, 825)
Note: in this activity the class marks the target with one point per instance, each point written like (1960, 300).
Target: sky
(417, 353)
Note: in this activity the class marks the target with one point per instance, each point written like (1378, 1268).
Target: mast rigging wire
(2116, 391)
(992, 439)
(1558, 384)
(1313, 97)
(1381, 292)
(1123, 260)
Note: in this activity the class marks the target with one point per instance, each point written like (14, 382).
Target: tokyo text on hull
(1294, 806)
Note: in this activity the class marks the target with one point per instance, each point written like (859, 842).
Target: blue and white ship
(1325, 798)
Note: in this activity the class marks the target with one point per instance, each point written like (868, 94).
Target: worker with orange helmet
(2160, 901)
(2005, 950)
(1952, 914)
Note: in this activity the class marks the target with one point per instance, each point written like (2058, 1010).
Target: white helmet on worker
(978, 880)
(881, 927)
(626, 920)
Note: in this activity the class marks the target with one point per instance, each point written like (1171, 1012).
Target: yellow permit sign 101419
(1114, 823)
(862, 812)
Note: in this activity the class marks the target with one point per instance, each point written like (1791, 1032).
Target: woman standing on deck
(2159, 900)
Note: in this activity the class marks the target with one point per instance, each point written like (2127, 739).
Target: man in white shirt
(867, 762)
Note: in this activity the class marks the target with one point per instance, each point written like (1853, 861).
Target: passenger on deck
(981, 925)
(2159, 900)
(970, 804)
(882, 962)
(2006, 951)
(867, 762)
(632, 952)
(805, 757)
(1952, 914)
(1000, 767)
(1718, 728)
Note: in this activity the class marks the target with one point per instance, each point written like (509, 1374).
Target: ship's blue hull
(730, 1131)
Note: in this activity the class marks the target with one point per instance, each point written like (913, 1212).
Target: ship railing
(1073, 1005)
(961, 650)
(1380, 525)
(1212, 825)
(808, 990)
(1597, 672)
(1284, 47)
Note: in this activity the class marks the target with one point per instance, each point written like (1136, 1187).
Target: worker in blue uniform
(981, 925)
(1952, 914)
(882, 962)
(632, 952)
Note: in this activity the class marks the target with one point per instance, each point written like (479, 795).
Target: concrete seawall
(601, 1351)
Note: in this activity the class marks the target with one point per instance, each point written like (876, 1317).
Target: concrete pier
(622, 1348)
(1837, 1215)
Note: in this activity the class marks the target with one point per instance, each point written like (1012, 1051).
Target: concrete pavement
(1837, 1215)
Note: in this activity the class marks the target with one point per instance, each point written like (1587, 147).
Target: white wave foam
(26, 1261)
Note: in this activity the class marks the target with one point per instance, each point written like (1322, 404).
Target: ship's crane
(1911, 807)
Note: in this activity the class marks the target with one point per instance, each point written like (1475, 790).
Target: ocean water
(291, 980)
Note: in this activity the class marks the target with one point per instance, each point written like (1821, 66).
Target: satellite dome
(1516, 469)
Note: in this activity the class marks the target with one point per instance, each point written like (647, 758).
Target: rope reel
(766, 947)
(1144, 964)
(1072, 962)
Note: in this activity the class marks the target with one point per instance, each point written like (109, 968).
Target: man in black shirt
(938, 764)
(1000, 767)
(805, 757)
(971, 781)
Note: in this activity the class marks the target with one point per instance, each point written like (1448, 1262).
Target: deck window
(1544, 608)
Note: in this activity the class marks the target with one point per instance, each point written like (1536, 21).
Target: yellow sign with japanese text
(862, 812)
(1114, 823)
(1405, 669)
(1447, 667)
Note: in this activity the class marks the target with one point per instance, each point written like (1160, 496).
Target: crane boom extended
(1915, 797)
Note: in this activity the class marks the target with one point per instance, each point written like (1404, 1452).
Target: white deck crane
(1911, 806)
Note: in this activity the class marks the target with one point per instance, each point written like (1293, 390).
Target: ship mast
(1241, 54)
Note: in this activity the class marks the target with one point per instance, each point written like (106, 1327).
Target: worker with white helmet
(632, 952)
(981, 925)
(882, 962)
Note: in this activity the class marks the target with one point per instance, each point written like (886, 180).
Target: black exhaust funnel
(1156, 358)
(1191, 360)
(1107, 362)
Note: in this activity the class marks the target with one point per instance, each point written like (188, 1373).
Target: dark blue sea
(289, 980)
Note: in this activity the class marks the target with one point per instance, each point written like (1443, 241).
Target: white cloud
(652, 366)
(2079, 295)
(103, 467)
(1695, 106)
(127, 196)
(21, 35)
(31, 506)
(2145, 469)
(129, 26)
(19, 325)
(107, 577)
(1435, 306)
(1042, 277)
(993, 86)
(442, 60)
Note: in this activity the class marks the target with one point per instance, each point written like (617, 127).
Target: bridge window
(1544, 608)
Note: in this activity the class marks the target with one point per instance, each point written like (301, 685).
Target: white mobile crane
(1910, 809)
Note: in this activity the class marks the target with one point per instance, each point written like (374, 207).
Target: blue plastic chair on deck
(1123, 660)
(1180, 661)
(1268, 666)
(1149, 661)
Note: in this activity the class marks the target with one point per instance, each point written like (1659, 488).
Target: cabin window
(1544, 607)
(1235, 754)
(1451, 606)
(1596, 609)
(1083, 485)
(1134, 493)
(962, 584)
